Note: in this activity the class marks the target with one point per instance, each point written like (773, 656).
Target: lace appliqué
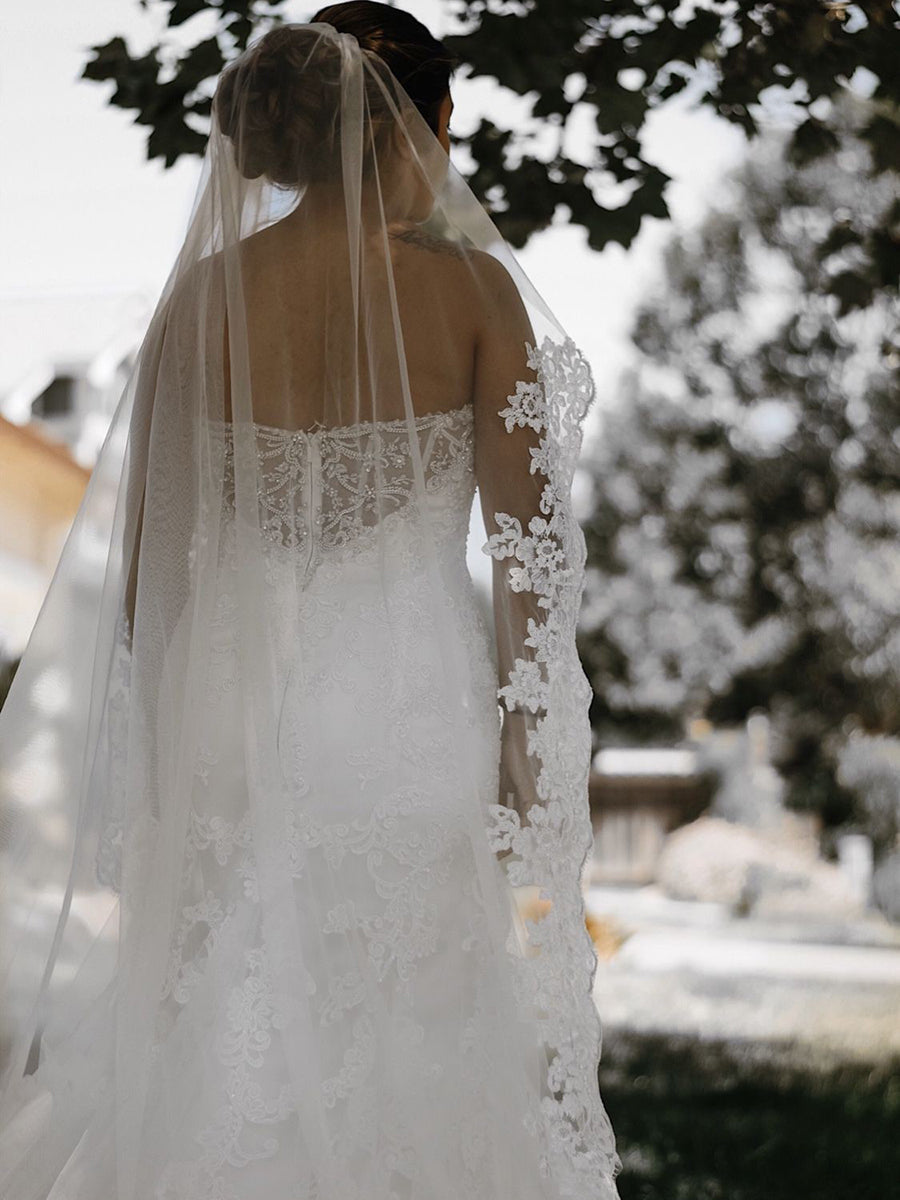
(323, 489)
(549, 848)
(108, 860)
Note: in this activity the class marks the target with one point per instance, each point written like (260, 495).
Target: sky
(82, 212)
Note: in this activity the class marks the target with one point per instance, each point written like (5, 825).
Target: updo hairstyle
(280, 101)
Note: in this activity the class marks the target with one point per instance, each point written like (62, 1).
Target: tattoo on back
(428, 241)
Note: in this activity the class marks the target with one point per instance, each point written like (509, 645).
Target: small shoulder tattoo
(428, 241)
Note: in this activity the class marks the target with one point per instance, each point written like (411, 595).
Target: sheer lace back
(323, 489)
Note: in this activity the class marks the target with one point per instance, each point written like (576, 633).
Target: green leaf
(183, 10)
(202, 62)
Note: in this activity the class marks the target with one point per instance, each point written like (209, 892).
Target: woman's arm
(510, 496)
(138, 454)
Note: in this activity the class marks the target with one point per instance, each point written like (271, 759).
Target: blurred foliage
(870, 767)
(609, 61)
(694, 1122)
(886, 886)
(744, 548)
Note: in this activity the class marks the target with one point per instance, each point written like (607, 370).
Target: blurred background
(708, 196)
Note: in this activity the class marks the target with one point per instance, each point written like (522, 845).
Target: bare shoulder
(467, 277)
(487, 270)
(491, 270)
(496, 287)
(487, 273)
(498, 300)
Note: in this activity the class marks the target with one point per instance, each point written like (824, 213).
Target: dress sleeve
(510, 492)
(530, 405)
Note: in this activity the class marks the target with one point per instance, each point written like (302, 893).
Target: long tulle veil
(147, 883)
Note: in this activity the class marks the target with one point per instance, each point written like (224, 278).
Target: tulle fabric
(273, 787)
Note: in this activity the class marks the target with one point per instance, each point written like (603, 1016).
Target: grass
(721, 1122)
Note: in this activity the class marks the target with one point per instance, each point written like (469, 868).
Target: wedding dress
(293, 909)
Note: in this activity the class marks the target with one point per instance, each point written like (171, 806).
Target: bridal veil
(187, 768)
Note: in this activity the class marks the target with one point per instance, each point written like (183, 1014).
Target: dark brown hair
(284, 119)
(420, 63)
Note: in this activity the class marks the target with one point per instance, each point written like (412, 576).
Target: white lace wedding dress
(408, 1092)
(293, 910)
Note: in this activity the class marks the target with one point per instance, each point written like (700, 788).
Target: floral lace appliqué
(548, 848)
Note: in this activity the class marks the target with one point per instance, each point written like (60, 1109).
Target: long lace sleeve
(508, 425)
(530, 402)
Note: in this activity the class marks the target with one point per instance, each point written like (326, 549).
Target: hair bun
(280, 105)
(280, 101)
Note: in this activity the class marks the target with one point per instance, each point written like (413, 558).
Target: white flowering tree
(744, 549)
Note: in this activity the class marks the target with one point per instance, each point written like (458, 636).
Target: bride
(291, 825)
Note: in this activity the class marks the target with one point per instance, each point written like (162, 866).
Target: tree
(612, 60)
(744, 550)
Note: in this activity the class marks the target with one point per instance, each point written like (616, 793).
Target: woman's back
(302, 327)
